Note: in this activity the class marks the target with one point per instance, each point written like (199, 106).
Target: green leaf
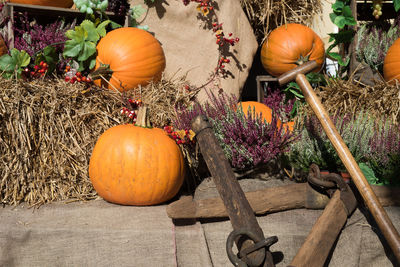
(101, 28)
(368, 173)
(137, 11)
(72, 49)
(296, 93)
(332, 16)
(143, 27)
(338, 6)
(7, 63)
(88, 50)
(396, 4)
(340, 21)
(92, 64)
(349, 16)
(51, 57)
(343, 36)
(90, 31)
(23, 59)
(339, 59)
(115, 25)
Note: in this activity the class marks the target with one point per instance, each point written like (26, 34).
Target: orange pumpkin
(258, 108)
(133, 55)
(289, 46)
(391, 64)
(132, 165)
(54, 3)
(289, 126)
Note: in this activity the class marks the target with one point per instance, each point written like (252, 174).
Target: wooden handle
(319, 242)
(376, 209)
(292, 74)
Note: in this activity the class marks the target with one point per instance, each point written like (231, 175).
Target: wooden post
(353, 45)
(238, 208)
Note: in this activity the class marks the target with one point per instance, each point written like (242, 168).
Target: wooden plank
(265, 201)
(262, 201)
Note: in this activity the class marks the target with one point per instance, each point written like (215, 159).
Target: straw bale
(49, 128)
(345, 96)
(266, 15)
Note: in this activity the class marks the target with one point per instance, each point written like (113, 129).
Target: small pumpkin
(391, 64)
(133, 56)
(289, 46)
(258, 108)
(288, 126)
(54, 3)
(133, 165)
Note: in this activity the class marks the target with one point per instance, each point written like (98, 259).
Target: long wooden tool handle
(376, 209)
(239, 210)
(319, 242)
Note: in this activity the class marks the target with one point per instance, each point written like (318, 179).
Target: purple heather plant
(277, 101)
(374, 142)
(384, 157)
(247, 141)
(32, 37)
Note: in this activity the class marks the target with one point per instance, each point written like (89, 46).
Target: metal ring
(231, 239)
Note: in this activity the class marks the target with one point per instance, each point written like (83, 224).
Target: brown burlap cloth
(97, 233)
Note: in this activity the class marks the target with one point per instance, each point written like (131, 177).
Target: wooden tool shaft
(323, 235)
(376, 209)
(238, 208)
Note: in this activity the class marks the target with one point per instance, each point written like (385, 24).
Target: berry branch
(207, 9)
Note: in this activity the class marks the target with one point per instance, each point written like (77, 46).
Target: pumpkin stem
(104, 70)
(142, 118)
(302, 60)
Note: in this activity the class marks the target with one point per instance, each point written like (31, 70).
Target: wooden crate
(46, 14)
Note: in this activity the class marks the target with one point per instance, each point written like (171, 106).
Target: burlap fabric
(97, 233)
(190, 44)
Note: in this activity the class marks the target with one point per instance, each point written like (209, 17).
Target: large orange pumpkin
(291, 45)
(258, 108)
(391, 64)
(133, 55)
(54, 3)
(132, 165)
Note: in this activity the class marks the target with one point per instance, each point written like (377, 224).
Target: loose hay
(266, 15)
(48, 130)
(381, 100)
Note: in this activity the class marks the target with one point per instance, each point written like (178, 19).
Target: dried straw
(380, 100)
(266, 15)
(49, 128)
